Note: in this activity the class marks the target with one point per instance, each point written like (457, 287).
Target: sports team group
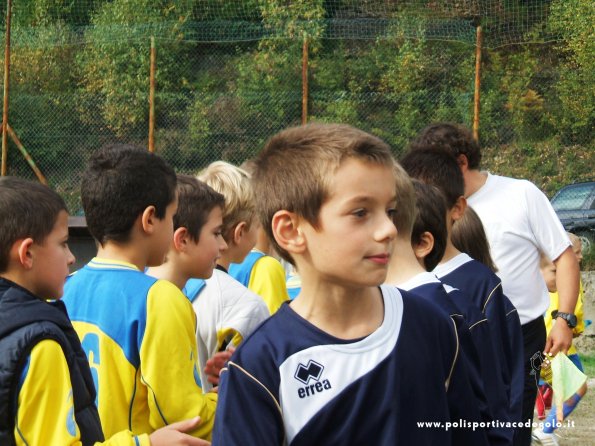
(323, 293)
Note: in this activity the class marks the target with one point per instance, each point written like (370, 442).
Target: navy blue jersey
(477, 350)
(484, 288)
(291, 383)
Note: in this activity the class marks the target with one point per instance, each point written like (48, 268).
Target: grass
(588, 364)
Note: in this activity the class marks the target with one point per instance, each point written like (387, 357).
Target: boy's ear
(458, 210)
(147, 219)
(181, 238)
(463, 162)
(425, 245)
(238, 232)
(287, 232)
(21, 252)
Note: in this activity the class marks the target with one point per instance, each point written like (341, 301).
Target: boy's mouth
(381, 259)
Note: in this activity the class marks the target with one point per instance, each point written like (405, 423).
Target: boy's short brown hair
(195, 201)
(235, 185)
(294, 169)
(27, 210)
(406, 209)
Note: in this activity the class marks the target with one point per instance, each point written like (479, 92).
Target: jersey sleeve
(268, 281)
(169, 367)
(45, 413)
(247, 411)
(548, 231)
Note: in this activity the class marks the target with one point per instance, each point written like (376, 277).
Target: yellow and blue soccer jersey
(139, 336)
(263, 275)
(292, 383)
(45, 411)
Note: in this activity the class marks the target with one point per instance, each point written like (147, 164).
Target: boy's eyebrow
(367, 198)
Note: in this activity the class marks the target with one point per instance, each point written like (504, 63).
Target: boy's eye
(391, 212)
(360, 212)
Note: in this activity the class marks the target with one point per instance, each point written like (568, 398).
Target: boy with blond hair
(227, 312)
(260, 271)
(347, 361)
(138, 332)
(47, 394)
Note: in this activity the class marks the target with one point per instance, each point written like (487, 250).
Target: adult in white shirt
(520, 223)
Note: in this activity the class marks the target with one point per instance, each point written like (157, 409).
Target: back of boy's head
(431, 217)
(294, 169)
(406, 209)
(196, 200)
(453, 138)
(236, 186)
(27, 210)
(120, 182)
(438, 168)
(468, 235)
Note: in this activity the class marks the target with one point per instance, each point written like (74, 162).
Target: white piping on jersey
(454, 360)
(490, 296)
(478, 322)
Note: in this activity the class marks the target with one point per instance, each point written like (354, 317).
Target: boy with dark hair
(520, 223)
(138, 332)
(419, 247)
(198, 242)
(47, 395)
(226, 310)
(196, 247)
(347, 361)
(460, 271)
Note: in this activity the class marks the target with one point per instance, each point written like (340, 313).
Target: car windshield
(572, 198)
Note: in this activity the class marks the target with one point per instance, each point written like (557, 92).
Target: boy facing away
(474, 279)
(47, 394)
(347, 361)
(138, 332)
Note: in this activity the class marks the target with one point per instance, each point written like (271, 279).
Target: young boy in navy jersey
(47, 394)
(138, 331)
(420, 244)
(474, 279)
(347, 361)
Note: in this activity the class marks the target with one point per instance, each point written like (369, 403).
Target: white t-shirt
(227, 312)
(520, 222)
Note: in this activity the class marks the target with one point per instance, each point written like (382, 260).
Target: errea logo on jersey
(311, 372)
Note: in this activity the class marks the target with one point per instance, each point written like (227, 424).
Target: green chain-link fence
(229, 75)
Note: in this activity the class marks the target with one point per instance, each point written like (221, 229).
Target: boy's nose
(387, 230)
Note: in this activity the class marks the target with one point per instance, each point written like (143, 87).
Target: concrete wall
(586, 343)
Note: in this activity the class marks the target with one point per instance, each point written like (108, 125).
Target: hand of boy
(216, 363)
(173, 434)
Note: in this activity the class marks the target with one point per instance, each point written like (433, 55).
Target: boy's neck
(403, 263)
(339, 311)
(474, 180)
(224, 262)
(124, 252)
(170, 271)
(450, 253)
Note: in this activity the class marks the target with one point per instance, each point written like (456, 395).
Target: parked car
(575, 206)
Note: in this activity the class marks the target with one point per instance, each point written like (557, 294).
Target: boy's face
(207, 250)
(577, 247)
(352, 244)
(164, 233)
(51, 260)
